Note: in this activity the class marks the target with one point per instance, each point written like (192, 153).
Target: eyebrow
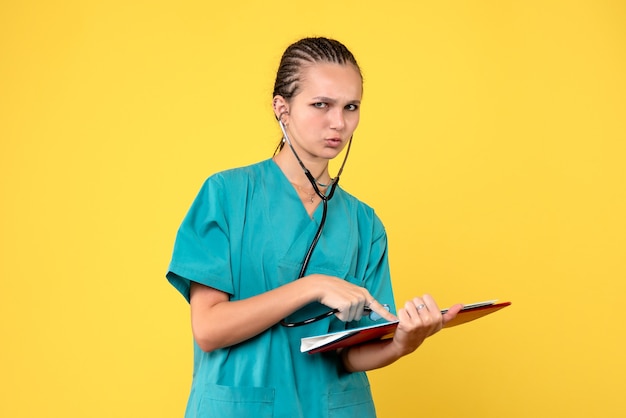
(331, 100)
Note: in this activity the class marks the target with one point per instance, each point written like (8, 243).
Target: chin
(330, 154)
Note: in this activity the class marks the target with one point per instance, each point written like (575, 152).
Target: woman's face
(325, 112)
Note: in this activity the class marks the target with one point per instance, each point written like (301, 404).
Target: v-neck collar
(317, 212)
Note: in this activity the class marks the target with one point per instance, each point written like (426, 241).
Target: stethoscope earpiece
(279, 118)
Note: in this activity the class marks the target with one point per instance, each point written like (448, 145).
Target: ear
(281, 107)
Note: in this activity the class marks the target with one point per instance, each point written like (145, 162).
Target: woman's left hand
(419, 319)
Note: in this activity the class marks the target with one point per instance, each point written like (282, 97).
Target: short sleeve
(201, 250)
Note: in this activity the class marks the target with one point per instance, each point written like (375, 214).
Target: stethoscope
(325, 198)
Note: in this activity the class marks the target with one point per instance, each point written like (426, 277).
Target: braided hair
(308, 51)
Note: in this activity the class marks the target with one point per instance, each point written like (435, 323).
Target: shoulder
(239, 174)
(355, 202)
(363, 212)
(237, 178)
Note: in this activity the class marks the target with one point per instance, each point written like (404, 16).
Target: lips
(333, 141)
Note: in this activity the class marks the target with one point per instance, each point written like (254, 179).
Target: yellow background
(492, 145)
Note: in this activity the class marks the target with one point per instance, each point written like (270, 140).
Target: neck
(293, 171)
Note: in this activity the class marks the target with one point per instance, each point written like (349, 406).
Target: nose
(337, 119)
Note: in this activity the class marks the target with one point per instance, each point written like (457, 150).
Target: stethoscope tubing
(325, 198)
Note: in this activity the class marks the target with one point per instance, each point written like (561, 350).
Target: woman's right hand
(349, 299)
(218, 322)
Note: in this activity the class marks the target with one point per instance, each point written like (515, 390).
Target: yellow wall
(492, 144)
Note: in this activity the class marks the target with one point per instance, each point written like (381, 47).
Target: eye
(352, 107)
(320, 105)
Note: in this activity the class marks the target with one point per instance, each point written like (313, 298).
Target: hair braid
(308, 51)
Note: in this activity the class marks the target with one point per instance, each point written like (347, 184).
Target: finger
(339, 315)
(344, 314)
(415, 306)
(430, 303)
(354, 310)
(451, 313)
(411, 310)
(403, 316)
(433, 310)
(376, 306)
(358, 310)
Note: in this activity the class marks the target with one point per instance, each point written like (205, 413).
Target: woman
(238, 260)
